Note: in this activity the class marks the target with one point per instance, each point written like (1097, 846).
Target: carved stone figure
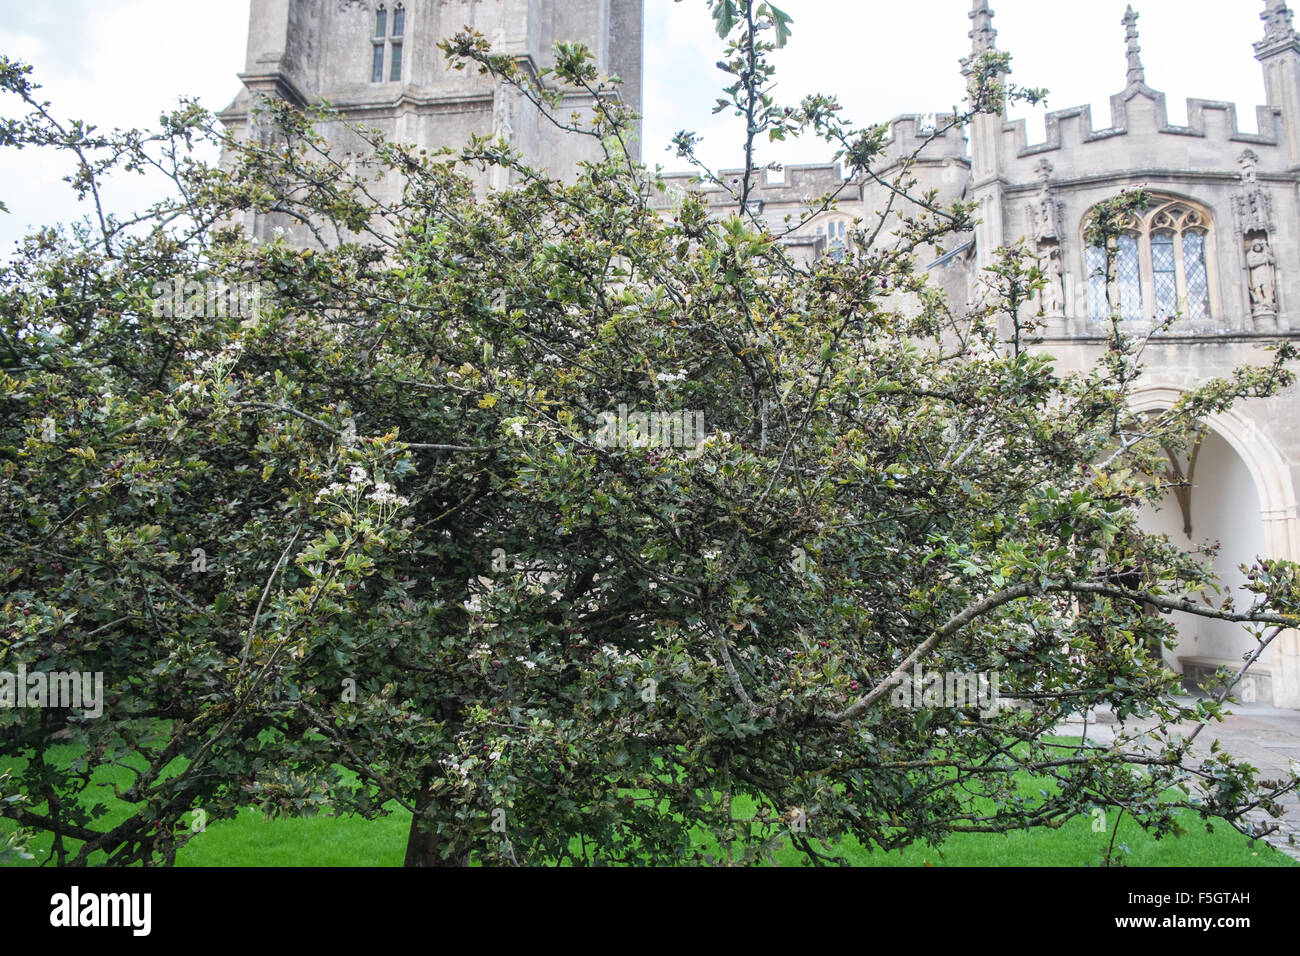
(1263, 278)
(503, 126)
(1053, 294)
(1045, 211)
(1252, 206)
(1249, 163)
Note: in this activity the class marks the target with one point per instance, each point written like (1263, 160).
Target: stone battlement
(1141, 136)
(1142, 110)
(801, 183)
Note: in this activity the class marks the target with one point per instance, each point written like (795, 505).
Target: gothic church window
(388, 46)
(396, 63)
(836, 233)
(1158, 266)
(399, 27)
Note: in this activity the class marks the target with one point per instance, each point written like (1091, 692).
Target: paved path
(1265, 737)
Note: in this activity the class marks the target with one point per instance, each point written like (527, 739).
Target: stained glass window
(377, 70)
(399, 20)
(397, 63)
(381, 21)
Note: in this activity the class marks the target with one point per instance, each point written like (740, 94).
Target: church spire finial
(1279, 25)
(1136, 74)
(983, 36)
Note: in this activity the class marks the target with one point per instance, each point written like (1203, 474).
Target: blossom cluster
(381, 492)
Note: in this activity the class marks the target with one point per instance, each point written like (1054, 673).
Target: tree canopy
(334, 514)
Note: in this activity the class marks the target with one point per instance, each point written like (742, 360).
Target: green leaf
(725, 16)
(781, 21)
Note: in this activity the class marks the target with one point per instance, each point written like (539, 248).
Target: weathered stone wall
(314, 51)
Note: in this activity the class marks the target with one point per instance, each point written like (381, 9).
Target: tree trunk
(423, 849)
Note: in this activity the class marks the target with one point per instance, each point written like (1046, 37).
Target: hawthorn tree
(366, 547)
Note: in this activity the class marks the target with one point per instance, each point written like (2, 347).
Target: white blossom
(387, 498)
(328, 491)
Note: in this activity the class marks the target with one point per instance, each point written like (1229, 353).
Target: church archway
(1242, 495)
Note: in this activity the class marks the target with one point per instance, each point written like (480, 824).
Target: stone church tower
(377, 62)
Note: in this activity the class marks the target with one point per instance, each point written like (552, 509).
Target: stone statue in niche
(1045, 211)
(1263, 277)
(1053, 294)
(1252, 206)
(503, 126)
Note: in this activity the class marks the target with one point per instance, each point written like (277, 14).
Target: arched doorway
(1241, 495)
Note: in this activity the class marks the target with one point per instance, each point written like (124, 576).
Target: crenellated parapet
(1141, 114)
(922, 138)
(1142, 111)
(937, 155)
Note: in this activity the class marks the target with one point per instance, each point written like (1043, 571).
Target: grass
(252, 840)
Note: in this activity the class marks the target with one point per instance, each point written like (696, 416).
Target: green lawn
(252, 840)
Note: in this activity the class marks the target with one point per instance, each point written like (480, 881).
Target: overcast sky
(122, 62)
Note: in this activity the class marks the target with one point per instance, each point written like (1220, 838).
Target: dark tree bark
(424, 848)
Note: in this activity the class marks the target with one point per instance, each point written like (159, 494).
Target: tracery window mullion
(1129, 275)
(1098, 283)
(1198, 276)
(1146, 281)
(1180, 272)
(1166, 276)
